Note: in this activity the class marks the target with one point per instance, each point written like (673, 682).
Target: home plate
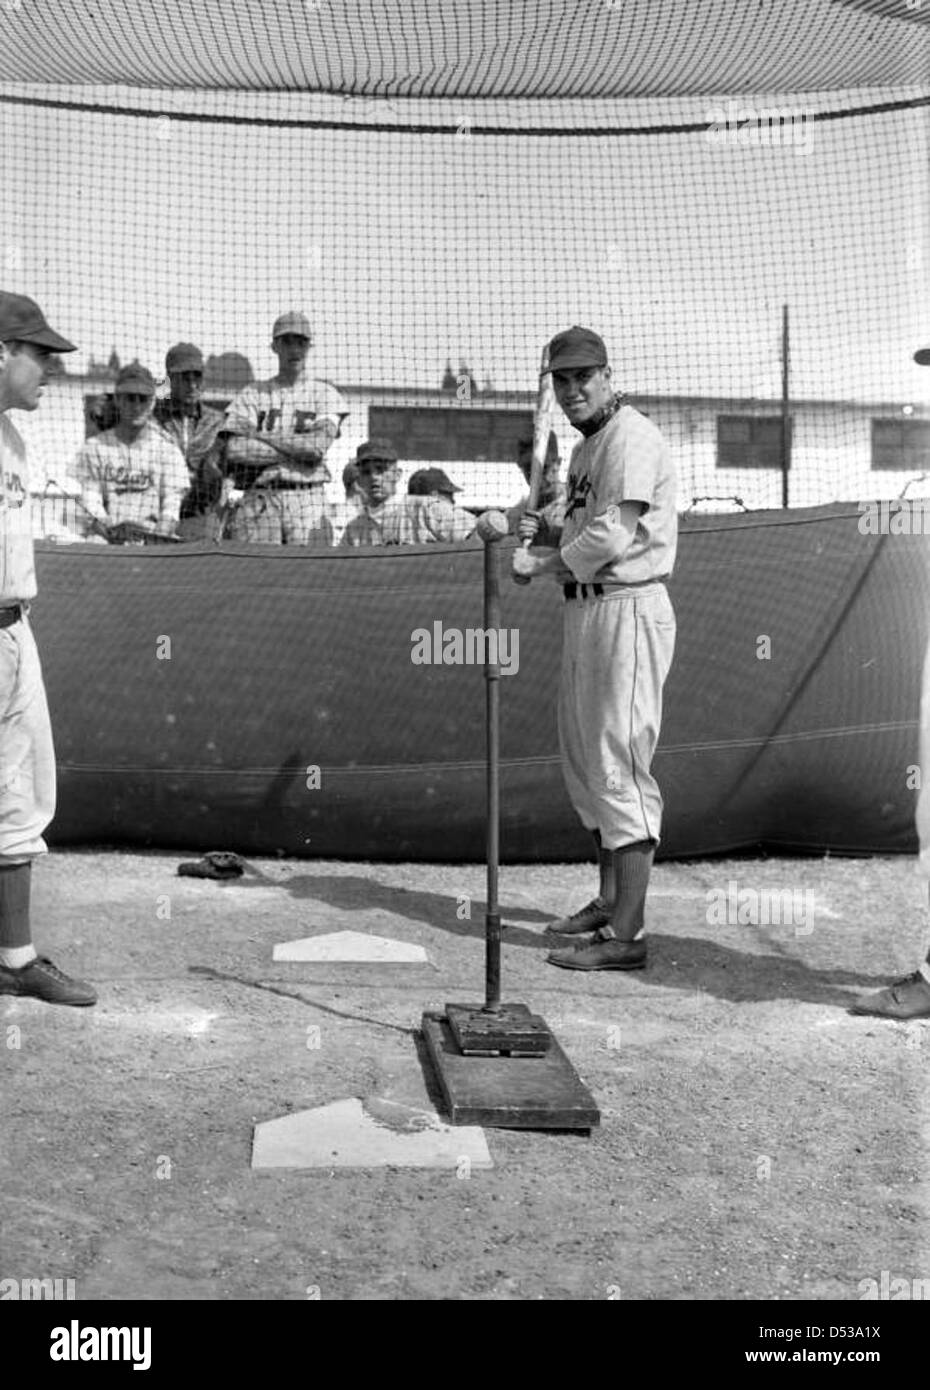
(347, 1135)
(353, 946)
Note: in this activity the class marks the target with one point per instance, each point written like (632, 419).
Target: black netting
(474, 48)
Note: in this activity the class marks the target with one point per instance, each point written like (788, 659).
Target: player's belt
(11, 615)
(576, 590)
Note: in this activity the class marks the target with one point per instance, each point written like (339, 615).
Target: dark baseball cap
(22, 321)
(922, 357)
(135, 378)
(576, 347)
(184, 357)
(427, 480)
(381, 449)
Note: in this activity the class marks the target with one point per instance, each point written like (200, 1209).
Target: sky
(406, 249)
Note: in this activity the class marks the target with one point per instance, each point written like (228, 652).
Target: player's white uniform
(617, 645)
(287, 503)
(142, 482)
(27, 754)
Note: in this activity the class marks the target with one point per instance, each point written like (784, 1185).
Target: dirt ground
(757, 1140)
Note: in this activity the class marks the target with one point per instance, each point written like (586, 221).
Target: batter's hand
(528, 525)
(524, 566)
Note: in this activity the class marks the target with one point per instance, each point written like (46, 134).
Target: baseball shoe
(907, 998)
(43, 980)
(586, 919)
(604, 954)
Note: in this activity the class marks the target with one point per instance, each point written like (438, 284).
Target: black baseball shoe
(604, 954)
(40, 979)
(907, 998)
(586, 919)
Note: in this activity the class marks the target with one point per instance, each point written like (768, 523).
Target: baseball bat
(542, 427)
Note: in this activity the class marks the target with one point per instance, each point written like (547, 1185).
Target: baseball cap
(922, 357)
(135, 378)
(381, 449)
(576, 347)
(292, 321)
(22, 321)
(427, 480)
(184, 357)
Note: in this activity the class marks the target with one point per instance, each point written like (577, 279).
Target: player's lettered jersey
(626, 461)
(141, 482)
(17, 559)
(270, 408)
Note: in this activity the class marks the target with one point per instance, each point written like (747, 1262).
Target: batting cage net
(735, 196)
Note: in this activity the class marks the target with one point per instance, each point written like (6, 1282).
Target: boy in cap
(27, 754)
(194, 429)
(278, 433)
(615, 552)
(132, 477)
(438, 518)
(377, 476)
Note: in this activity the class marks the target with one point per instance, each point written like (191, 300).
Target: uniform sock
(16, 957)
(605, 863)
(15, 930)
(632, 865)
(925, 970)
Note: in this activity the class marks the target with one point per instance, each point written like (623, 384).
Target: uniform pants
(27, 753)
(616, 653)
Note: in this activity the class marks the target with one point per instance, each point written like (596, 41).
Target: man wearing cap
(615, 552)
(132, 477)
(27, 754)
(550, 505)
(278, 433)
(437, 518)
(909, 997)
(194, 429)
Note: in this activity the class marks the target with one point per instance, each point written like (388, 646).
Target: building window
(901, 444)
(750, 441)
(436, 435)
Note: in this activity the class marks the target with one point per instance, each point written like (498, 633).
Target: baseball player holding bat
(27, 754)
(617, 548)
